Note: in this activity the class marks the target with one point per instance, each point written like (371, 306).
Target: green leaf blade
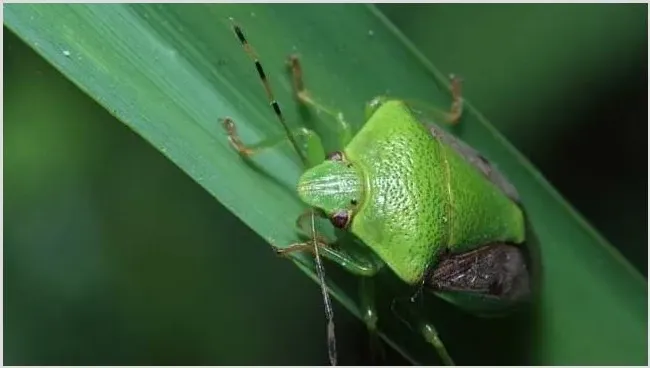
(170, 71)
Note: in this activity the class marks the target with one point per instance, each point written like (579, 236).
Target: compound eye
(335, 156)
(340, 219)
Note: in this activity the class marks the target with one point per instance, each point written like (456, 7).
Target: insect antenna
(320, 270)
(267, 87)
(329, 311)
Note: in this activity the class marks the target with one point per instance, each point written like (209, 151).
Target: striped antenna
(320, 270)
(267, 87)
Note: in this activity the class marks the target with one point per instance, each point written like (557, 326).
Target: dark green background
(114, 256)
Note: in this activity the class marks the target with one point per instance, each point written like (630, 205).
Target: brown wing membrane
(496, 270)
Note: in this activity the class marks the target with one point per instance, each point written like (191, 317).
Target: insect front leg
(312, 148)
(356, 264)
(363, 265)
(345, 131)
(354, 259)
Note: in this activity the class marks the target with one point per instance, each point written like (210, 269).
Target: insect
(423, 203)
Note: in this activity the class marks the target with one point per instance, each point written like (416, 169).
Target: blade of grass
(169, 71)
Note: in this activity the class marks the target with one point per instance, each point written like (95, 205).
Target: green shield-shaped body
(416, 194)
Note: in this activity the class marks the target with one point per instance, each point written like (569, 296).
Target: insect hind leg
(407, 311)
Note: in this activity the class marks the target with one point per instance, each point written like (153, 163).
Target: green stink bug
(422, 202)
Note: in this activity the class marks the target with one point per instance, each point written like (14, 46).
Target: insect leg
(313, 146)
(369, 314)
(365, 267)
(410, 315)
(345, 131)
(451, 116)
(456, 110)
(357, 261)
(353, 263)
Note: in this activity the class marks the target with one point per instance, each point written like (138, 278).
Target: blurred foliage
(113, 255)
(107, 263)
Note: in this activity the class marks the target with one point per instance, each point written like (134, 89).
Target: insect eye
(335, 156)
(340, 219)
